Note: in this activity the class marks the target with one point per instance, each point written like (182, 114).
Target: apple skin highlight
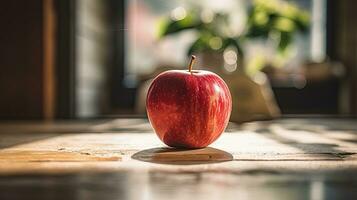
(188, 109)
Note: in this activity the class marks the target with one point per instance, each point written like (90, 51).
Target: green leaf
(284, 24)
(303, 21)
(201, 44)
(172, 26)
(285, 41)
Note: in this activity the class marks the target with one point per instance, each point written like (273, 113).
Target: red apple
(188, 109)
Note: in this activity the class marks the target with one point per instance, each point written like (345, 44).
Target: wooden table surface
(313, 158)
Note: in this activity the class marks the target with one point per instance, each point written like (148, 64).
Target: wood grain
(292, 145)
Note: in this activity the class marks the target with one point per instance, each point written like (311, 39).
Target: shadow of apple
(173, 156)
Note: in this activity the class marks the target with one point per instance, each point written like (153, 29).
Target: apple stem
(191, 63)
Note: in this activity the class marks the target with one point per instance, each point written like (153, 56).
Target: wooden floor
(123, 159)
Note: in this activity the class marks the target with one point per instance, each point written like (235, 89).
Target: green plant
(212, 34)
(267, 19)
(278, 20)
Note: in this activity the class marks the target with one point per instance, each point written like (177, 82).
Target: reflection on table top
(123, 159)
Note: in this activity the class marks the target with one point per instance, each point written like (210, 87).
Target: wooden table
(123, 159)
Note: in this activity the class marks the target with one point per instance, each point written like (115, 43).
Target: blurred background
(69, 59)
